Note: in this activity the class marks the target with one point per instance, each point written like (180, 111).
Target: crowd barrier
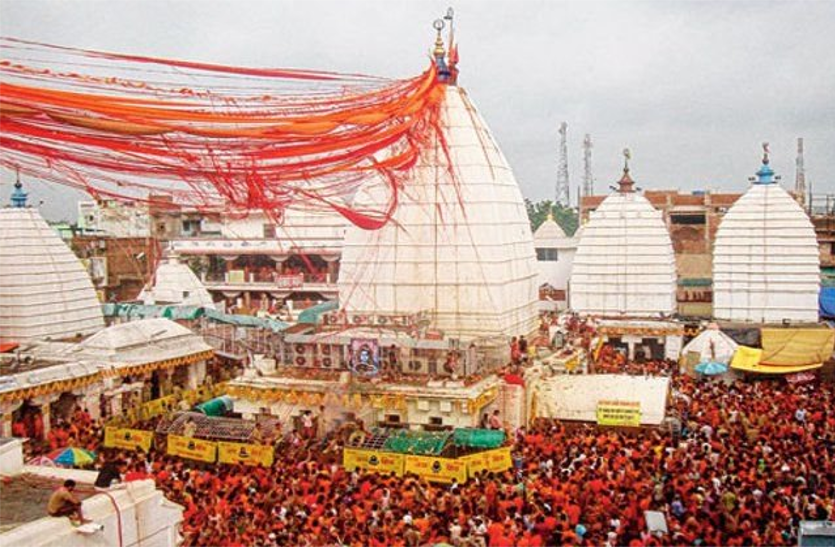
(432, 468)
(191, 448)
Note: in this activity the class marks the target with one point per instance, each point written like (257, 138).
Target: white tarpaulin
(567, 397)
(711, 345)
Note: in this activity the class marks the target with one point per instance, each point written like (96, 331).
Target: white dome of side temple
(175, 283)
(458, 248)
(766, 262)
(624, 264)
(45, 292)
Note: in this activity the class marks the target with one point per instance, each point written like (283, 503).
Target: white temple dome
(548, 233)
(462, 253)
(624, 263)
(766, 262)
(175, 283)
(45, 291)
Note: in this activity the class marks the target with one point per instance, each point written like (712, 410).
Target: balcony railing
(275, 279)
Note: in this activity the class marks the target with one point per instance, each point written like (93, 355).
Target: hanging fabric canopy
(212, 136)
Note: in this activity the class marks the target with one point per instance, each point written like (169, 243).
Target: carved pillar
(90, 398)
(333, 269)
(196, 374)
(44, 401)
(6, 410)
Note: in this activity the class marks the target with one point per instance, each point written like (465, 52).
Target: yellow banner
(437, 469)
(129, 439)
(476, 463)
(250, 454)
(195, 449)
(619, 413)
(373, 460)
(157, 407)
(498, 459)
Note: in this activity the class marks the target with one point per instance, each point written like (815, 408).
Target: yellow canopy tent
(785, 351)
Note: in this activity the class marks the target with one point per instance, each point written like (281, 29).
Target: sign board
(290, 281)
(498, 459)
(157, 407)
(656, 522)
(373, 460)
(194, 449)
(129, 439)
(437, 469)
(250, 454)
(619, 413)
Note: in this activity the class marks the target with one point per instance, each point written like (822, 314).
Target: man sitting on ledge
(63, 503)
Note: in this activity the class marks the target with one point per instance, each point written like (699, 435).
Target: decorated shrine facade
(336, 398)
(643, 340)
(109, 374)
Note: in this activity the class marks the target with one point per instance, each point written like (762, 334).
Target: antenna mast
(563, 194)
(800, 175)
(588, 177)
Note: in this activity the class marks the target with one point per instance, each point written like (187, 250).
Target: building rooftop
(25, 498)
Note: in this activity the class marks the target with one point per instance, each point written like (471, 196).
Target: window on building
(435, 420)
(269, 230)
(393, 418)
(547, 255)
(191, 226)
(697, 218)
(832, 248)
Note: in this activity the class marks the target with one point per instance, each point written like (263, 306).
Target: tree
(564, 216)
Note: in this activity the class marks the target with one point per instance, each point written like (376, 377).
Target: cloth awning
(145, 311)
(786, 351)
(314, 313)
(695, 282)
(246, 320)
(797, 347)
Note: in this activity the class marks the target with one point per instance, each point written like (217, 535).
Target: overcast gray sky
(692, 88)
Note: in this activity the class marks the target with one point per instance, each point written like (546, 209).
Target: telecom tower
(800, 175)
(563, 195)
(588, 177)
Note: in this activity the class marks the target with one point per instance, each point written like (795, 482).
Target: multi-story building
(118, 266)
(262, 262)
(114, 218)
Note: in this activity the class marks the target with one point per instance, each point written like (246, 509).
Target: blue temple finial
(766, 174)
(18, 198)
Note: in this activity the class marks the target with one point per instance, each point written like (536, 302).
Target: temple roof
(625, 263)
(766, 261)
(175, 283)
(458, 248)
(45, 291)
